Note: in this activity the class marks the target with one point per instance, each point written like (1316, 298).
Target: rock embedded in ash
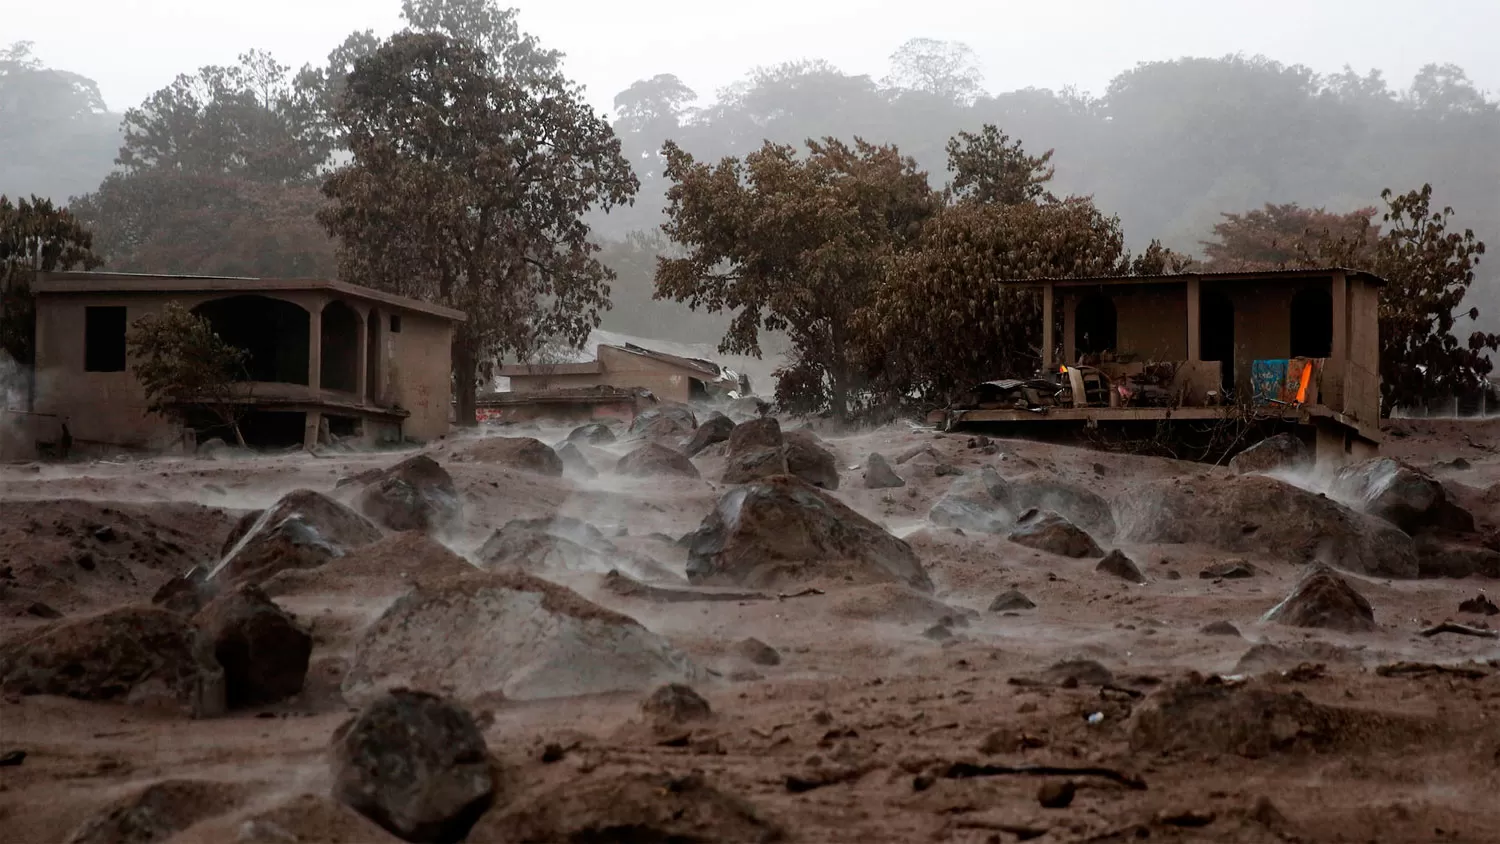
(416, 764)
(1047, 531)
(755, 435)
(1117, 564)
(263, 650)
(415, 494)
(656, 460)
(1229, 570)
(914, 452)
(1261, 513)
(668, 419)
(1479, 605)
(508, 634)
(972, 504)
(715, 429)
(878, 473)
(1219, 628)
(757, 652)
(1011, 601)
(37, 609)
(781, 530)
(1039, 491)
(629, 806)
(186, 593)
(1282, 452)
(523, 453)
(1056, 795)
(1401, 494)
(594, 433)
(241, 527)
(1079, 672)
(157, 812)
(135, 655)
(574, 461)
(758, 449)
(1443, 557)
(1323, 599)
(808, 459)
(676, 703)
(305, 529)
(560, 543)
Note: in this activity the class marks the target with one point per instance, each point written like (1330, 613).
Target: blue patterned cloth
(1267, 377)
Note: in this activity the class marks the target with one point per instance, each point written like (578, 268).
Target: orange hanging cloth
(1306, 378)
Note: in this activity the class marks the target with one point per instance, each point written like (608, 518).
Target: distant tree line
(454, 161)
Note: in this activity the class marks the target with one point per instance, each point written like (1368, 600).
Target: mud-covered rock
(574, 461)
(1282, 452)
(757, 652)
(415, 494)
(970, 504)
(157, 812)
(241, 527)
(1323, 599)
(1011, 601)
(1401, 494)
(755, 435)
(1047, 531)
(676, 703)
(263, 650)
(1200, 719)
(669, 420)
(594, 433)
(878, 473)
(629, 806)
(715, 429)
(508, 635)
(137, 655)
(559, 543)
(1260, 513)
(781, 530)
(653, 460)
(758, 449)
(1115, 563)
(416, 764)
(524, 453)
(305, 529)
(810, 460)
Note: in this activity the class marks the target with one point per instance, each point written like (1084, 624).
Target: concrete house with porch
(1298, 348)
(668, 377)
(324, 357)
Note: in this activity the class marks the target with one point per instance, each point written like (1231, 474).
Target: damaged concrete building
(1300, 348)
(323, 356)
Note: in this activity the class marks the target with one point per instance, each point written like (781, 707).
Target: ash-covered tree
(1425, 353)
(793, 244)
(1279, 236)
(945, 69)
(35, 236)
(991, 169)
(187, 370)
(472, 169)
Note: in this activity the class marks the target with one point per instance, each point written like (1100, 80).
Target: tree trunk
(465, 370)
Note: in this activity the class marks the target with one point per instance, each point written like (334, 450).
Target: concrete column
(362, 363)
(312, 426)
(1194, 320)
(315, 349)
(1047, 330)
(1340, 350)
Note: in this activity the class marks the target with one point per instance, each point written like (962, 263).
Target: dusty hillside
(1086, 705)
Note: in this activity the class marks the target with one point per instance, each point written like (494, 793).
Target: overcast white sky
(133, 47)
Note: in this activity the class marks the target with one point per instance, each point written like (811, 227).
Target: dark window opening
(262, 428)
(273, 332)
(1216, 334)
(340, 341)
(343, 426)
(104, 339)
(372, 358)
(1312, 323)
(1094, 326)
(395, 323)
(697, 391)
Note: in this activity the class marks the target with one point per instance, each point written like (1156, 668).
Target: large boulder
(559, 543)
(758, 449)
(654, 459)
(1439, 557)
(878, 473)
(808, 459)
(575, 463)
(1282, 452)
(970, 504)
(668, 420)
(262, 648)
(755, 435)
(1047, 531)
(305, 529)
(782, 529)
(137, 655)
(1323, 599)
(523, 453)
(1258, 513)
(1401, 494)
(594, 433)
(415, 494)
(416, 764)
(715, 429)
(508, 635)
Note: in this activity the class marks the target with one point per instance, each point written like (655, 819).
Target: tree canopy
(35, 236)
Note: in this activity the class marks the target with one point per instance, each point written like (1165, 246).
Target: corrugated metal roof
(1259, 275)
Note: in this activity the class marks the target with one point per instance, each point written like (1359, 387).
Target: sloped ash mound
(389, 566)
(508, 634)
(783, 530)
(1196, 718)
(630, 807)
(561, 543)
(524, 453)
(1259, 513)
(892, 602)
(305, 529)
